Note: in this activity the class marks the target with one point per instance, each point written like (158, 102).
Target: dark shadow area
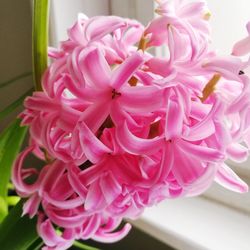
(135, 240)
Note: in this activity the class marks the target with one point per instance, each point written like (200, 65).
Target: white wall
(142, 10)
(15, 50)
(228, 21)
(64, 14)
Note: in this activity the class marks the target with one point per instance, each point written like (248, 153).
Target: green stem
(16, 232)
(40, 40)
(83, 246)
(14, 105)
(14, 79)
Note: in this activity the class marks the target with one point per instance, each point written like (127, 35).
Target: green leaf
(16, 232)
(14, 79)
(36, 245)
(11, 186)
(12, 200)
(11, 140)
(3, 208)
(14, 105)
(40, 40)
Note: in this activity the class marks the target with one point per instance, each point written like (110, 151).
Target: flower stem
(40, 40)
(83, 246)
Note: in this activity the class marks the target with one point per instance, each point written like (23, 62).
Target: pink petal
(191, 9)
(242, 47)
(31, 206)
(90, 229)
(95, 67)
(112, 237)
(96, 114)
(66, 204)
(74, 67)
(166, 164)
(100, 26)
(201, 153)
(136, 145)
(159, 66)
(237, 152)
(228, 179)
(75, 33)
(125, 71)
(119, 115)
(66, 221)
(111, 188)
(178, 45)
(186, 168)
(156, 31)
(174, 120)
(94, 200)
(93, 148)
(141, 99)
(41, 102)
(17, 175)
(55, 53)
(228, 66)
(51, 75)
(205, 127)
(51, 177)
(203, 182)
(48, 234)
(75, 182)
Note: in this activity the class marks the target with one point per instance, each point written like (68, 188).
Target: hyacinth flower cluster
(119, 129)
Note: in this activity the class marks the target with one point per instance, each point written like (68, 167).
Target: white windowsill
(197, 224)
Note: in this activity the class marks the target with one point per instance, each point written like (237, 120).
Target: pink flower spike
(120, 130)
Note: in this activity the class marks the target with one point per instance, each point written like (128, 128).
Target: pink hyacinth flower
(120, 130)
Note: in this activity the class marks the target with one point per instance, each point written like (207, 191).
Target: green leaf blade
(3, 208)
(83, 246)
(11, 140)
(16, 232)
